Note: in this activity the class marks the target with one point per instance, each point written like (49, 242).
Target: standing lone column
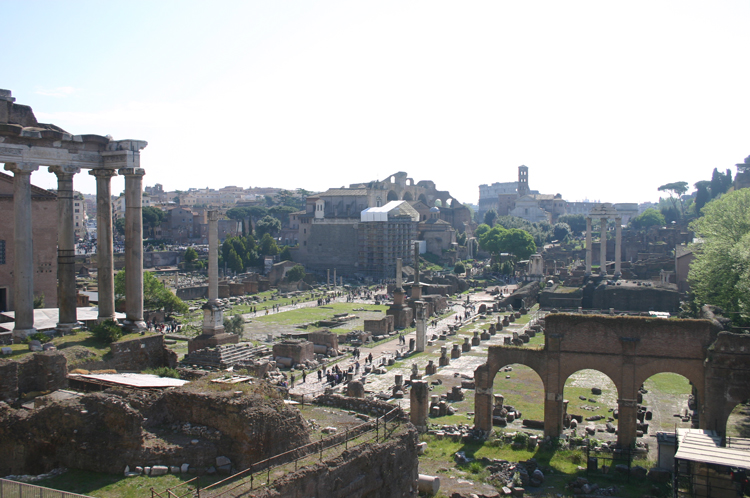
(213, 257)
(589, 252)
(618, 247)
(104, 245)
(133, 249)
(23, 251)
(66, 245)
(603, 247)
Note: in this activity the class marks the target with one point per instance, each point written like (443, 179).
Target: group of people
(164, 327)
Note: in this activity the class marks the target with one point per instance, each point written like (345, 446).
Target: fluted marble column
(589, 252)
(23, 251)
(133, 249)
(66, 245)
(104, 245)
(618, 247)
(603, 247)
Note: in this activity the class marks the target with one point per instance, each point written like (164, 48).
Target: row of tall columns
(23, 281)
(603, 246)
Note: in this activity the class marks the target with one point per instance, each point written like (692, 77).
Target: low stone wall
(360, 405)
(381, 326)
(324, 338)
(386, 470)
(298, 351)
(45, 371)
(141, 353)
(190, 293)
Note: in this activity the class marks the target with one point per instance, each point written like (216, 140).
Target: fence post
(346, 439)
(376, 430)
(268, 476)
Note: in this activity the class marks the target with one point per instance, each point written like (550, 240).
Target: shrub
(163, 372)
(108, 331)
(521, 438)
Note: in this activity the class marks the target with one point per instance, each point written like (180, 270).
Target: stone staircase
(225, 356)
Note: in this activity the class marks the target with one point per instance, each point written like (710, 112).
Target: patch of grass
(668, 383)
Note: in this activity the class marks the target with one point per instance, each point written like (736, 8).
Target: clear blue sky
(602, 100)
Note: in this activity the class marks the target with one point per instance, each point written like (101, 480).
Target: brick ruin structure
(628, 350)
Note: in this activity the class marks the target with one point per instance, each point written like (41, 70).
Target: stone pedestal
(419, 404)
(466, 347)
(23, 266)
(421, 327)
(355, 389)
(475, 341)
(430, 369)
(455, 352)
(482, 399)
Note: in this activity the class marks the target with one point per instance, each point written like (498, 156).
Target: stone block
(159, 470)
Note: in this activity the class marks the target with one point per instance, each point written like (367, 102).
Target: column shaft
(66, 270)
(618, 247)
(133, 249)
(23, 252)
(213, 256)
(603, 247)
(589, 252)
(104, 245)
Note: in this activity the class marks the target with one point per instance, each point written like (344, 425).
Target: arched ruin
(628, 350)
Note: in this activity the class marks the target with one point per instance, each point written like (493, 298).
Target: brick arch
(392, 196)
(613, 370)
(691, 371)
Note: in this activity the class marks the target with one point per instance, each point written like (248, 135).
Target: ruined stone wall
(142, 353)
(331, 246)
(636, 298)
(190, 293)
(160, 258)
(361, 405)
(386, 470)
(46, 371)
(324, 338)
(298, 351)
(727, 374)
(381, 326)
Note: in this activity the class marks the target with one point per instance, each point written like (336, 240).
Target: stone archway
(628, 350)
(408, 196)
(392, 196)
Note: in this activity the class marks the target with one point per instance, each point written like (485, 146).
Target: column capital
(132, 171)
(103, 173)
(21, 168)
(64, 170)
(213, 216)
(618, 221)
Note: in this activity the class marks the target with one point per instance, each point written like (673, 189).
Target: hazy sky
(602, 100)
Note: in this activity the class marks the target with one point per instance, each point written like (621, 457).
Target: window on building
(2, 252)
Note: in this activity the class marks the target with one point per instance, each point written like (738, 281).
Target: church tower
(523, 181)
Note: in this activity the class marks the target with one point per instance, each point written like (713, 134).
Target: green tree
(152, 218)
(459, 268)
(492, 241)
(490, 217)
(560, 231)
(282, 213)
(576, 222)
(285, 254)
(648, 218)
(234, 325)
(743, 166)
(156, 296)
(295, 273)
(481, 230)
(670, 214)
(461, 238)
(520, 243)
(702, 195)
(240, 215)
(720, 273)
(267, 225)
(267, 246)
(234, 261)
(120, 226)
(675, 190)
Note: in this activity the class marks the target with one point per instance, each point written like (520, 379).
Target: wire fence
(14, 489)
(260, 474)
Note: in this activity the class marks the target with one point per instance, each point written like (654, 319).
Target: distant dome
(434, 209)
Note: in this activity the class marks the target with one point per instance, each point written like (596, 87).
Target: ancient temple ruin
(26, 145)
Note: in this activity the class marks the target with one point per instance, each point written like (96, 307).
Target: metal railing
(254, 475)
(15, 489)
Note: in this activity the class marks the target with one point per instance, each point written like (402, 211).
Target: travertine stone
(133, 249)
(66, 272)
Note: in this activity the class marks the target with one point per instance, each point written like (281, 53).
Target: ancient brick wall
(139, 354)
(636, 298)
(46, 371)
(386, 470)
(190, 293)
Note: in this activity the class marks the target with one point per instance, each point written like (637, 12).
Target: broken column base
(402, 316)
(204, 341)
